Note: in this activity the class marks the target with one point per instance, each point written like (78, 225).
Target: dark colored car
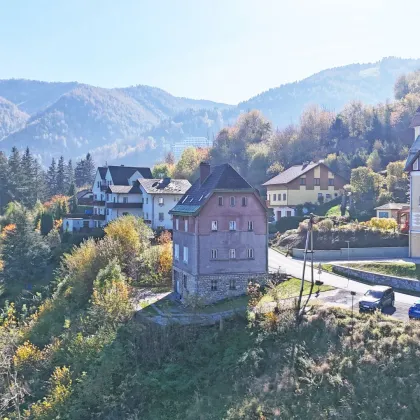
(414, 310)
(377, 298)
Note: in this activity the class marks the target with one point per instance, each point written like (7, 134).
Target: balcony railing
(100, 203)
(124, 205)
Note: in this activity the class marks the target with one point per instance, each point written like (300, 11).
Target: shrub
(325, 225)
(382, 224)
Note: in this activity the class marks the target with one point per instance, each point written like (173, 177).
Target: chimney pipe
(204, 171)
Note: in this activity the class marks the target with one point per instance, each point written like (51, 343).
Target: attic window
(192, 198)
(185, 199)
(201, 198)
(416, 165)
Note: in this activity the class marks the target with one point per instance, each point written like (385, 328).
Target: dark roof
(82, 193)
(123, 189)
(413, 154)
(165, 186)
(121, 174)
(221, 178)
(102, 171)
(415, 122)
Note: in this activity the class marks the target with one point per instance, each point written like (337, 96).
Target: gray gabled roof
(121, 174)
(392, 206)
(221, 178)
(165, 186)
(102, 171)
(123, 189)
(291, 173)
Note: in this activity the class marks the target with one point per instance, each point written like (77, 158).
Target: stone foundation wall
(227, 286)
(382, 279)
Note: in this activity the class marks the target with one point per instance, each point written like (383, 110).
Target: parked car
(376, 298)
(414, 310)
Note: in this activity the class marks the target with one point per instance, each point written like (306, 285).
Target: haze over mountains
(131, 125)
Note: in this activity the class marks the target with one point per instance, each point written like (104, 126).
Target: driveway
(342, 296)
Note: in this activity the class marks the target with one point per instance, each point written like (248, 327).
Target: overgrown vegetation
(399, 269)
(335, 232)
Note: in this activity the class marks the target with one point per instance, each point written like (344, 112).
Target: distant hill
(370, 83)
(131, 125)
(11, 117)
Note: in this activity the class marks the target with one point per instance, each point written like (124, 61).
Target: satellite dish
(305, 210)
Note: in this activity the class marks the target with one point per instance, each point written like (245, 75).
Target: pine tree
(51, 179)
(79, 173)
(4, 196)
(61, 177)
(25, 254)
(90, 169)
(39, 182)
(47, 223)
(69, 183)
(15, 174)
(29, 195)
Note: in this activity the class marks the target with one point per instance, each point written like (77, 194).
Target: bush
(325, 225)
(382, 224)
(288, 223)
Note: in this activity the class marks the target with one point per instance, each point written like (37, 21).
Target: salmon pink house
(220, 235)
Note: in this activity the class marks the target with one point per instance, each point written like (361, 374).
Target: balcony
(124, 205)
(99, 203)
(98, 217)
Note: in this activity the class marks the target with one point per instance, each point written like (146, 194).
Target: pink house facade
(220, 236)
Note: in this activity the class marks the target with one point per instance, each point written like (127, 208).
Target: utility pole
(309, 236)
(348, 262)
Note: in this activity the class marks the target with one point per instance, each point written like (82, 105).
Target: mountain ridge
(72, 118)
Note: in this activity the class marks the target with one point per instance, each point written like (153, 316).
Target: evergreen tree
(15, 174)
(51, 179)
(39, 182)
(29, 195)
(47, 223)
(25, 254)
(61, 177)
(4, 195)
(79, 173)
(69, 182)
(90, 169)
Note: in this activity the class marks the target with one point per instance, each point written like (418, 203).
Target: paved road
(342, 297)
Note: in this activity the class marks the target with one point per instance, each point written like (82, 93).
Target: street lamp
(353, 294)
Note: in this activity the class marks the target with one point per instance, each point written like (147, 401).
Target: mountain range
(132, 125)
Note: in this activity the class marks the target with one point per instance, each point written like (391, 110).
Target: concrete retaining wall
(374, 278)
(355, 253)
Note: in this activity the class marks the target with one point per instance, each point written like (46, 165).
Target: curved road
(294, 267)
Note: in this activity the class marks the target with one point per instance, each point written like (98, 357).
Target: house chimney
(204, 171)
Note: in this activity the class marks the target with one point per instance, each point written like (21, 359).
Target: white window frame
(186, 225)
(250, 225)
(177, 223)
(161, 201)
(176, 252)
(232, 225)
(214, 254)
(214, 226)
(232, 253)
(383, 214)
(185, 255)
(416, 165)
(232, 201)
(250, 253)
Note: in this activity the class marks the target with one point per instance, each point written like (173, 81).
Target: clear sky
(224, 50)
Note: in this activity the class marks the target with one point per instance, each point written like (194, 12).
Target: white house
(159, 197)
(115, 192)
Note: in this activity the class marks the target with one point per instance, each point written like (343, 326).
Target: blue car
(414, 311)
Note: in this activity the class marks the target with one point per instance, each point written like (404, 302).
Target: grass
(399, 269)
(290, 289)
(333, 366)
(335, 211)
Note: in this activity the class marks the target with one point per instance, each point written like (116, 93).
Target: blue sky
(224, 50)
